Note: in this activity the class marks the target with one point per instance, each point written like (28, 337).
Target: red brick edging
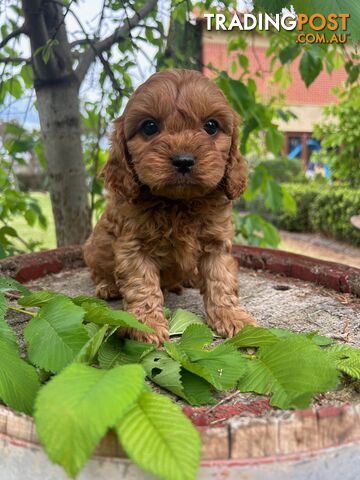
(336, 276)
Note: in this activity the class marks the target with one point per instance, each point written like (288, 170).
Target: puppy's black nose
(183, 162)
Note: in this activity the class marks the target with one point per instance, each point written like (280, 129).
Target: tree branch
(97, 48)
(15, 33)
(14, 60)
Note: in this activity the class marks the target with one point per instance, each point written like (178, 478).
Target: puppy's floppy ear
(235, 180)
(118, 172)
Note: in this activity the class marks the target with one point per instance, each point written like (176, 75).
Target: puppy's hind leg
(99, 257)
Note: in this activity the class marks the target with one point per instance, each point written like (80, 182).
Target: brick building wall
(306, 103)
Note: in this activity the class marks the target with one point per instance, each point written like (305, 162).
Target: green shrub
(320, 208)
(284, 170)
(331, 211)
(305, 195)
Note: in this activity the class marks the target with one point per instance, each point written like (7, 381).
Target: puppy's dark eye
(211, 127)
(149, 128)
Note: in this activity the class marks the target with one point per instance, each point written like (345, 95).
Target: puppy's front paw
(227, 322)
(107, 291)
(155, 321)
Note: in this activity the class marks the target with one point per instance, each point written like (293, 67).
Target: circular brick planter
(239, 440)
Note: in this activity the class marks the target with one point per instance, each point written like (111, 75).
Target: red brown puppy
(172, 173)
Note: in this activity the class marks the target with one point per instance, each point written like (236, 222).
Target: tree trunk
(58, 107)
(57, 92)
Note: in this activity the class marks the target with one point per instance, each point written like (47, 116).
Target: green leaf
(26, 75)
(157, 436)
(251, 336)
(7, 335)
(38, 299)
(169, 374)
(56, 334)
(221, 366)
(289, 202)
(15, 88)
(89, 351)
(244, 62)
(181, 320)
(76, 408)
(116, 351)
(19, 382)
(30, 217)
(9, 284)
(282, 333)
(291, 370)
(289, 53)
(346, 358)
(80, 299)
(274, 139)
(273, 196)
(102, 315)
(310, 67)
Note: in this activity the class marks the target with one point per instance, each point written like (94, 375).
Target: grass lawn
(46, 237)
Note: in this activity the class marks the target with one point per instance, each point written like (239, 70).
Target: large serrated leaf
(19, 382)
(102, 315)
(7, 335)
(80, 299)
(181, 320)
(56, 334)
(159, 438)
(346, 358)
(38, 299)
(251, 336)
(292, 371)
(89, 351)
(169, 374)
(116, 351)
(222, 366)
(9, 284)
(76, 408)
(320, 340)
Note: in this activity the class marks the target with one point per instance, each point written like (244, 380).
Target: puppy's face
(179, 137)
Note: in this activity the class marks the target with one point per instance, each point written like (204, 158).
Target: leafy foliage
(251, 336)
(19, 382)
(103, 315)
(289, 367)
(327, 209)
(56, 334)
(347, 359)
(82, 393)
(172, 376)
(7, 334)
(121, 352)
(15, 146)
(277, 370)
(221, 366)
(339, 133)
(181, 319)
(149, 427)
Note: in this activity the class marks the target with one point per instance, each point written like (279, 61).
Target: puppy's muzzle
(183, 162)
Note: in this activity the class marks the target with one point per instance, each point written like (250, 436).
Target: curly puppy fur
(163, 228)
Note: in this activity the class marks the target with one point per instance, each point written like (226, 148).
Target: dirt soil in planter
(274, 300)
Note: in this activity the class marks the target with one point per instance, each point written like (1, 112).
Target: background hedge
(320, 208)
